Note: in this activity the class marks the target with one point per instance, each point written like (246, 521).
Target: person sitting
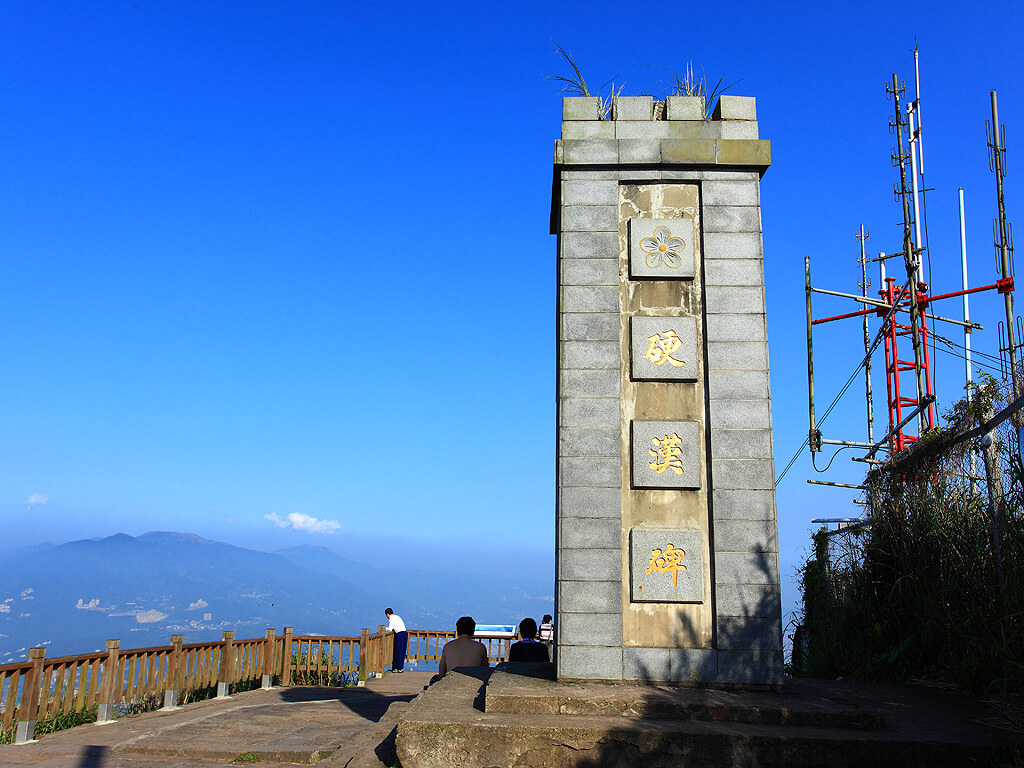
(546, 633)
(463, 651)
(529, 648)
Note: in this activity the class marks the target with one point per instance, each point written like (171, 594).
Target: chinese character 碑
(669, 560)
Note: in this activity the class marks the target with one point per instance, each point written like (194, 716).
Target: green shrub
(334, 679)
(932, 587)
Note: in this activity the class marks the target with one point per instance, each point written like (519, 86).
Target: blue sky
(265, 260)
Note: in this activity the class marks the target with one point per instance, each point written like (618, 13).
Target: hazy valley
(72, 597)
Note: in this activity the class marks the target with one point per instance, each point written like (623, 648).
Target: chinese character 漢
(666, 453)
(669, 560)
(662, 346)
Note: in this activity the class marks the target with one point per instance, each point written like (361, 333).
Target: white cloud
(5, 608)
(92, 605)
(297, 521)
(37, 498)
(148, 617)
(200, 603)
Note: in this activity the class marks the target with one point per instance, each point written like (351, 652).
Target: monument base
(492, 718)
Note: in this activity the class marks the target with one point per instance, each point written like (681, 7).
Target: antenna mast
(865, 283)
(1004, 244)
(910, 256)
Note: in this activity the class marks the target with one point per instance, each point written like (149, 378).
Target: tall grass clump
(688, 84)
(576, 84)
(53, 723)
(934, 587)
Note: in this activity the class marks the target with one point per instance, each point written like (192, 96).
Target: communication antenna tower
(1004, 247)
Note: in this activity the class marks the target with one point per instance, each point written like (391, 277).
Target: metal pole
(867, 336)
(1004, 253)
(909, 255)
(914, 187)
(813, 436)
(847, 443)
(968, 372)
(917, 108)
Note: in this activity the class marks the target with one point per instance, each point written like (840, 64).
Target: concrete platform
(298, 725)
(494, 719)
(486, 719)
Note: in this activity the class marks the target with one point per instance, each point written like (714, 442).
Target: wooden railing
(40, 688)
(311, 660)
(424, 645)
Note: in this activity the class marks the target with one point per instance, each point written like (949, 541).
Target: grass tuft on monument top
(685, 83)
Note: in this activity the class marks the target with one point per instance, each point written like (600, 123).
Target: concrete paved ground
(297, 725)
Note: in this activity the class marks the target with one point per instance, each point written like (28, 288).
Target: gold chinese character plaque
(666, 454)
(666, 566)
(664, 349)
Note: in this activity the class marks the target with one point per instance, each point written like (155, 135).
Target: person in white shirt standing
(396, 625)
(547, 631)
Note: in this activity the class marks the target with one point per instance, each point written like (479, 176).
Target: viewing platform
(296, 725)
(489, 717)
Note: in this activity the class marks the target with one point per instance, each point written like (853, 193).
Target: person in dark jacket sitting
(529, 648)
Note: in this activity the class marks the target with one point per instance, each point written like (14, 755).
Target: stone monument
(667, 546)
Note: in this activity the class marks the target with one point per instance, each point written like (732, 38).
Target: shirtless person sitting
(463, 651)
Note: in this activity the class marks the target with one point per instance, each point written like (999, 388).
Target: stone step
(538, 741)
(610, 725)
(797, 706)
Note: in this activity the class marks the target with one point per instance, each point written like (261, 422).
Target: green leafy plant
(247, 757)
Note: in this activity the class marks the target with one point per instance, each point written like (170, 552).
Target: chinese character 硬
(662, 346)
(666, 453)
(669, 560)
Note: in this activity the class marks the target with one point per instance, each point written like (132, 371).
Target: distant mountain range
(72, 597)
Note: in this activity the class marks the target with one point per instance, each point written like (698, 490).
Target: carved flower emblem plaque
(662, 248)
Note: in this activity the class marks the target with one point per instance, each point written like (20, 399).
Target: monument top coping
(636, 108)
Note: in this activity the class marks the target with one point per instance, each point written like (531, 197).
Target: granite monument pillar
(667, 546)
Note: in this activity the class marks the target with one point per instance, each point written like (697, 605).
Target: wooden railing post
(286, 657)
(364, 650)
(108, 686)
(269, 647)
(226, 671)
(382, 655)
(28, 710)
(175, 662)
